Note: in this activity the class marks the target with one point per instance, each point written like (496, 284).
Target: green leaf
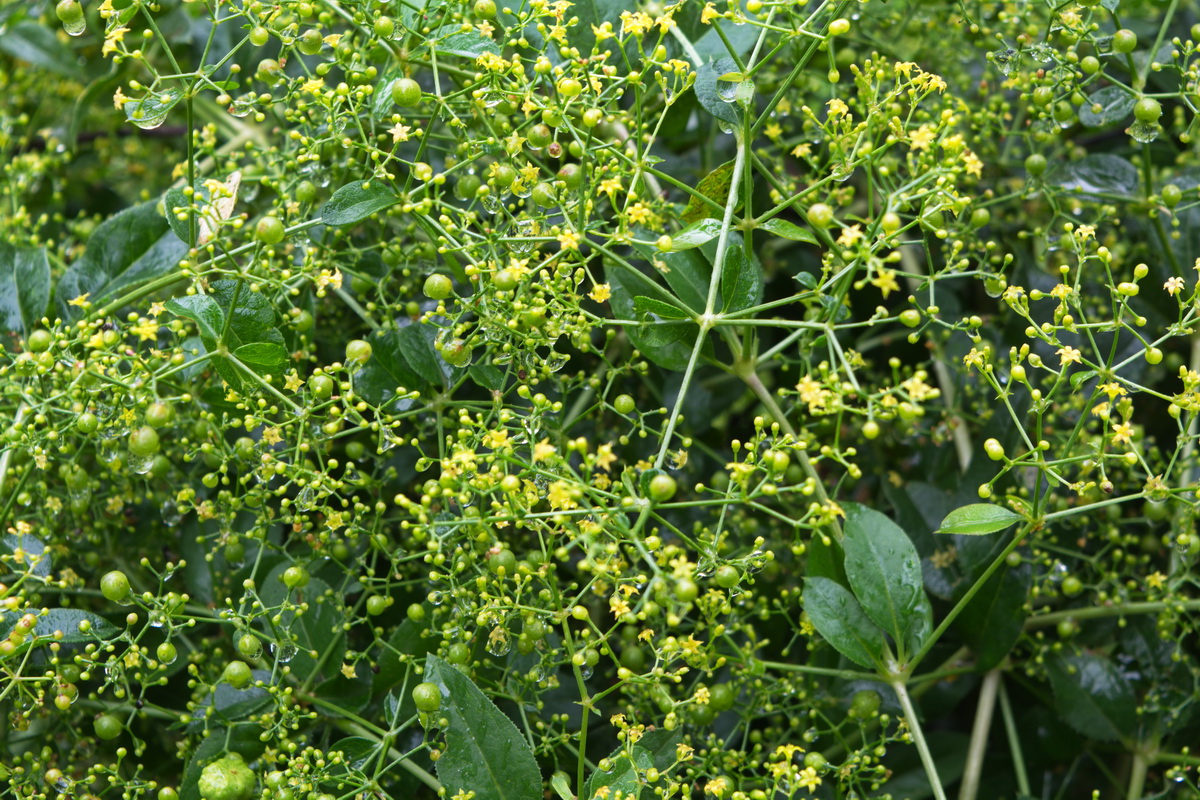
(391, 366)
(485, 753)
(1098, 174)
(648, 305)
(125, 251)
(151, 111)
(202, 310)
(263, 357)
(467, 45)
(841, 621)
(741, 280)
(696, 234)
(36, 44)
(788, 230)
(655, 749)
(994, 619)
(406, 640)
(978, 519)
(672, 355)
(688, 274)
(1093, 697)
(24, 287)
(353, 203)
(710, 91)
(319, 629)
(1115, 104)
(416, 345)
(715, 186)
(884, 571)
(62, 619)
(33, 553)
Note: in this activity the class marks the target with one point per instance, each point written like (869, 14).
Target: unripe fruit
(166, 652)
(485, 9)
(994, 450)
(143, 442)
(1035, 164)
(310, 42)
(438, 287)
(406, 93)
(427, 697)
(237, 674)
(1147, 110)
(269, 230)
(503, 563)
(662, 488)
(295, 577)
(384, 27)
(624, 404)
(839, 27)
(115, 586)
(910, 317)
(159, 414)
(249, 645)
(69, 12)
(686, 590)
(1124, 41)
(376, 605)
(321, 386)
(87, 423)
(1171, 195)
(259, 36)
(727, 576)
(820, 215)
(39, 341)
(865, 704)
(358, 352)
(108, 726)
(870, 429)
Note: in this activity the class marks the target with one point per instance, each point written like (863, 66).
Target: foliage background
(671, 481)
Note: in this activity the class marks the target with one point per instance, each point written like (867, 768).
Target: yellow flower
(112, 38)
(399, 132)
(1122, 433)
(1068, 354)
(600, 292)
(1173, 285)
(605, 457)
(569, 240)
(886, 281)
(543, 450)
(709, 14)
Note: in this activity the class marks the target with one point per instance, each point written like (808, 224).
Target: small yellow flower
(709, 14)
(1068, 355)
(600, 292)
(399, 132)
(1173, 285)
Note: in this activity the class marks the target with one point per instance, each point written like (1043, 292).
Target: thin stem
(1137, 774)
(1014, 743)
(409, 765)
(914, 725)
(973, 771)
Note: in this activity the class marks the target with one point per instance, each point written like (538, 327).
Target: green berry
(406, 93)
(159, 414)
(39, 341)
(503, 563)
(237, 674)
(310, 42)
(269, 230)
(143, 442)
(321, 386)
(624, 404)
(1124, 41)
(485, 9)
(115, 586)
(249, 645)
(820, 215)
(438, 287)
(69, 12)
(727, 576)
(259, 36)
(108, 726)
(358, 352)
(458, 653)
(295, 577)
(166, 653)
(1147, 110)
(384, 27)
(662, 488)
(1035, 164)
(686, 590)
(1171, 195)
(377, 604)
(910, 317)
(994, 450)
(87, 423)
(427, 696)
(864, 704)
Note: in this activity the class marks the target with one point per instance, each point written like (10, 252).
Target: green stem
(973, 771)
(1137, 774)
(1014, 743)
(914, 725)
(413, 768)
(1099, 612)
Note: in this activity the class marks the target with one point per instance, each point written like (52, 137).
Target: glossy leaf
(353, 203)
(995, 618)
(978, 519)
(24, 287)
(152, 110)
(1098, 174)
(32, 554)
(468, 45)
(485, 753)
(696, 234)
(710, 90)
(648, 305)
(202, 310)
(263, 357)
(742, 279)
(884, 571)
(1093, 697)
(125, 251)
(788, 230)
(1115, 105)
(841, 621)
(715, 186)
(671, 355)
(65, 620)
(318, 630)
(688, 274)
(401, 358)
(656, 749)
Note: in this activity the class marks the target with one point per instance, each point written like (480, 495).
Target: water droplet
(435, 598)
(556, 361)
(284, 652)
(241, 107)
(727, 91)
(1143, 132)
(1005, 60)
(520, 188)
(306, 499)
(499, 642)
(491, 203)
(170, 513)
(1042, 52)
(585, 672)
(492, 99)
(141, 464)
(75, 28)
(724, 126)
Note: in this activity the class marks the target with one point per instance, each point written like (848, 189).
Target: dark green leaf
(129, 249)
(648, 305)
(37, 45)
(1093, 697)
(406, 640)
(388, 369)
(994, 619)
(263, 357)
(978, 519)
(253, 317)
(62, 619)
(33, 553)
(884, 571)
(788, 230)
(655, 749)
(416, 346)
(318, 629)
(487, 376)
(741, 280)
(353, 203)
(715, 186)
(1115, 104)
(485, 753)
(357, 751)
(24, 287)
(468, 45)
(841, 621)
(711, 92)
(688, 274)
(696, 234)
(672, 355)
(1098, 174)
(202, 310)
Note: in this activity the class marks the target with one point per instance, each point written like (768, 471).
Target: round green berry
(1035, 164)
(427, 696)
(727, 576)
(820, 215)
(269, 230)
(503, 563)
(624, 404)
(406, 93)
(358, 352)
(662, 488)
(108, 726)
(143, 442)
(237, 674)
(1124, 41)
(438, 287)
(1147, 110)
(115, 586)
(295, 577)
